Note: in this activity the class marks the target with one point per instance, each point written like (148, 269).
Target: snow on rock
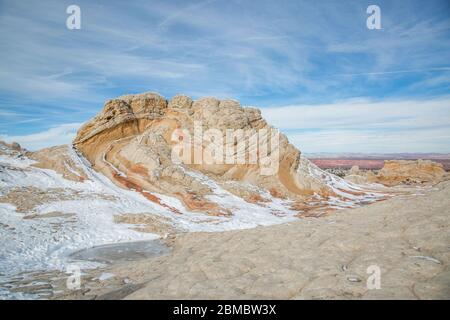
(45, 241)
(80, 214)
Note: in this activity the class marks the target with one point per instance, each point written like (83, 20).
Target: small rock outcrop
(11, 147)
(58, 159)
(411, 172)
(396, 172)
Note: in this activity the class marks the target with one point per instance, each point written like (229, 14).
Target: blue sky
(313, 67)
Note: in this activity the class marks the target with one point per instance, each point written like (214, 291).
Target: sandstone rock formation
(403, 171)
(395, 172)
(356, 175)
(57, 159)
(13, 147)
(131, 141)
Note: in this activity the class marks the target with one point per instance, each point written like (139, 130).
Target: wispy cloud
(396, 72)
(186, 11)
(361, 125)
(369, 141)
(58, 135)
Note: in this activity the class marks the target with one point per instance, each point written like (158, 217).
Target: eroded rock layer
(131, 141)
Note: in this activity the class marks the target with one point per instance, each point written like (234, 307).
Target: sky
(313, 67)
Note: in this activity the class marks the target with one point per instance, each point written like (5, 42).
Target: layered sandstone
(131, 141)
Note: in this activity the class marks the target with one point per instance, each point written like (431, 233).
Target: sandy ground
(407, 237)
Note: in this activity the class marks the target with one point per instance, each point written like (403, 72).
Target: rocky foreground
(407, 237)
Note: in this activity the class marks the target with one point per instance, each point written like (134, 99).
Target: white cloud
(364, 126)
(348, 141)
(62, 134)
(362, 114)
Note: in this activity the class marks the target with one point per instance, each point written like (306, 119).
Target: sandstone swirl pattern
(130, 141)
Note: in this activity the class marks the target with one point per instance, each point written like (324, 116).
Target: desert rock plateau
(140, 225)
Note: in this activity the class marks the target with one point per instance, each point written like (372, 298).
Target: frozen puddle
(45, 283)
(120, 252)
